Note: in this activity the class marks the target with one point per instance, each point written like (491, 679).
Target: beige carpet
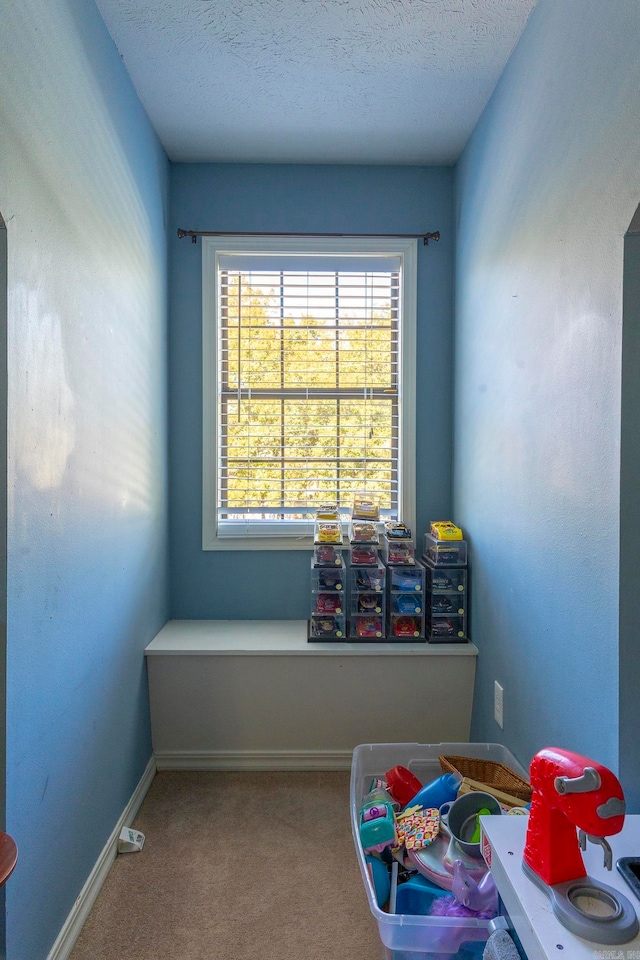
(240, 866)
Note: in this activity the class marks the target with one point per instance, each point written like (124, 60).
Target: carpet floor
(236, 866)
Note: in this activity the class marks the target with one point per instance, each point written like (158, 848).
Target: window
(309, 383)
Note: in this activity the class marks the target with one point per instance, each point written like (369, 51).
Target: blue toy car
(407, 603)
(406, 580)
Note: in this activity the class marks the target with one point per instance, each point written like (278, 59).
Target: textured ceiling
(315, 81)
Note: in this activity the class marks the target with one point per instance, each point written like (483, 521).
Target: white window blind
(308, 387)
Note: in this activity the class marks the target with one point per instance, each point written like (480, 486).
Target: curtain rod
(194, 234)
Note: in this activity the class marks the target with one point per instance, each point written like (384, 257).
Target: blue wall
(546, 190)
(83, 188)
(314, 199)
(629, 665)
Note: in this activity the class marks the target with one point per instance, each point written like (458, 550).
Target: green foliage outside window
(309, 391)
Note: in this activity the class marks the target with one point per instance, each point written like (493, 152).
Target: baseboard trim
(254, 760)
(80, 911)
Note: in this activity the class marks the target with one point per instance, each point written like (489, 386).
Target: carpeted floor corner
(237, 866)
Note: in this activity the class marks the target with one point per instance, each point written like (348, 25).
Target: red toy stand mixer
(569, 792)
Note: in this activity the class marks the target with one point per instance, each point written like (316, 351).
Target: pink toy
(476, 895)
(450, 907)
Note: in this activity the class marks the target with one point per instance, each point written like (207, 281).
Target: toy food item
(416, 827)
(445, 530)
(402, 784)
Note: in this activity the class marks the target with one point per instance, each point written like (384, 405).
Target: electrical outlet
(498, 704)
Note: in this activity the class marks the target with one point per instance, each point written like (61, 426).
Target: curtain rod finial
(431, 236)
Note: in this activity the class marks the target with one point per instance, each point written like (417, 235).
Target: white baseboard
(254, 760)
(80, 911)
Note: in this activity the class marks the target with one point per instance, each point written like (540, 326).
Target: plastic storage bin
(412, 936)
(448, 553)
(326, 627)
(363, 531)
(446, 628)
(397, 552)
(446, 581)
(328, 620)
(367, 597)
(327, 555)
(328, 578)
(406, 616)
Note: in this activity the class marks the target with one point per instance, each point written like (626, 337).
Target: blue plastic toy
(377, 826)
(437, 792)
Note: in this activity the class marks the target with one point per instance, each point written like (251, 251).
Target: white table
(542, 936)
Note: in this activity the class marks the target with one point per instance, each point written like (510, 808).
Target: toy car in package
(396, 530)
(364, 556)
(369, 627)
(365, 508)
(328, 531)
(406, 627)
(363, 531)
(327, 511)
(445, 530)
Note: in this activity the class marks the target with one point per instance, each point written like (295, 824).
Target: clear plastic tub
(409, 936)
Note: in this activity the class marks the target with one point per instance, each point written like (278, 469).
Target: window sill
(273, 638)
(259, 543)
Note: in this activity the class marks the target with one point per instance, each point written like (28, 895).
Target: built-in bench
(233, 694)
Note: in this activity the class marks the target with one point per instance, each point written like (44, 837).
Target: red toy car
(398, 553)
(406, 627)
(369, 627)
(327, 556)
(364, 556)
(328, 603)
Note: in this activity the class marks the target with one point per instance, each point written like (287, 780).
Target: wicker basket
(489, 772)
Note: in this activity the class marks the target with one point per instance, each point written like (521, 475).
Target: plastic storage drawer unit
(448, 553)
(406, 619)
(414, 936)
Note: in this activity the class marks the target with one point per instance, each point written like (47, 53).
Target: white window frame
(212, 248)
